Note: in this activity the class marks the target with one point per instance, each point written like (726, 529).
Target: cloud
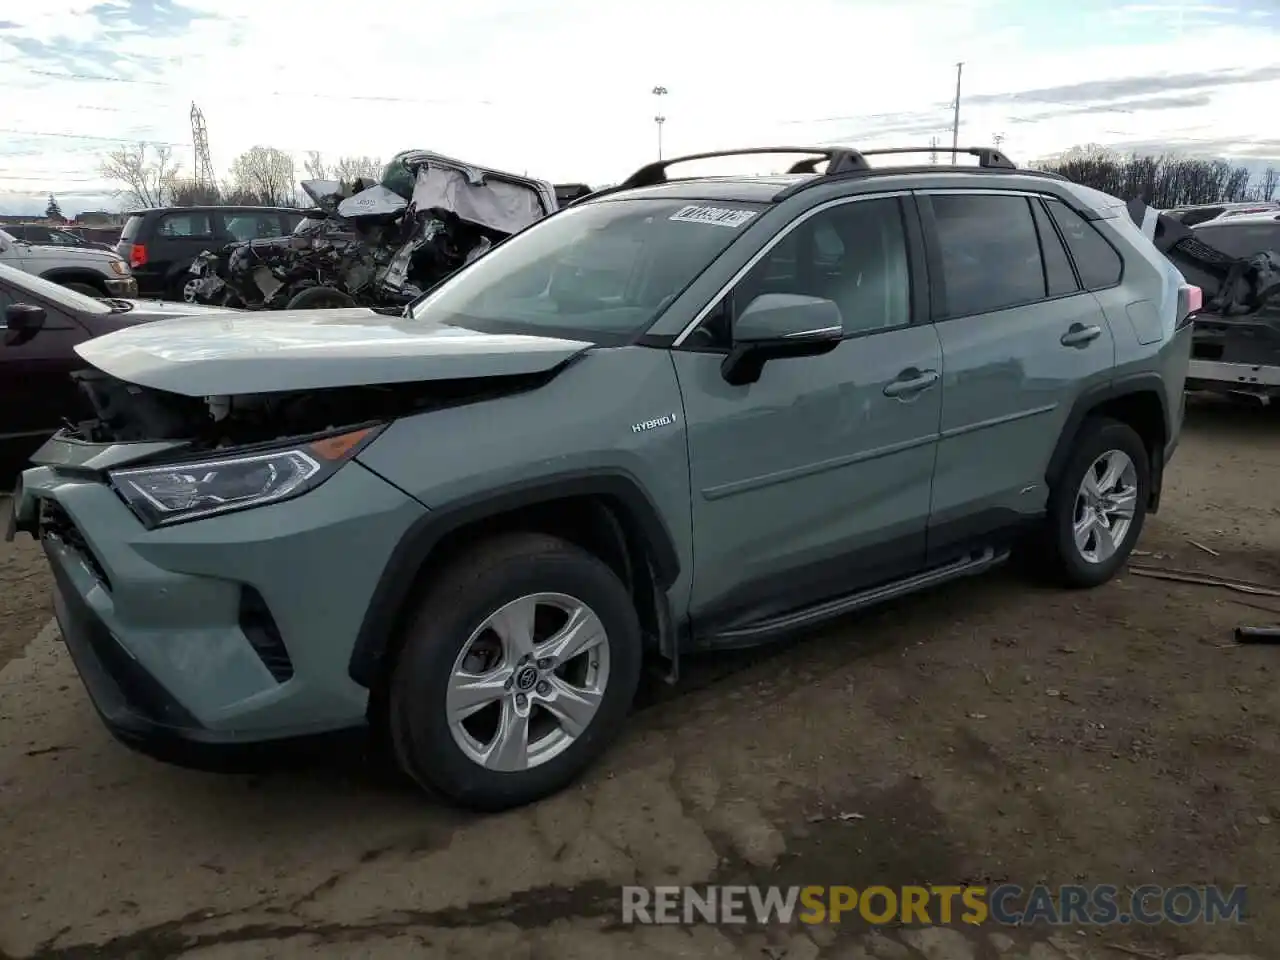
(562, 89)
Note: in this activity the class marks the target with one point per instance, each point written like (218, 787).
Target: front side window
(601, 271)
(990, 253)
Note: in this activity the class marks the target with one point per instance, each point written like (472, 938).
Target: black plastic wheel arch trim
(417, 543)
(1089, 401)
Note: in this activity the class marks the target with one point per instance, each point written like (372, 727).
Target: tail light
(137, 255)
(1190, 302)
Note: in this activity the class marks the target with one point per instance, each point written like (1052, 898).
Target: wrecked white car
(376, 244)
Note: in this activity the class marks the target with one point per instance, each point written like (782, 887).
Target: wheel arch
(605, 513)
(1137, 401)
(61, 275)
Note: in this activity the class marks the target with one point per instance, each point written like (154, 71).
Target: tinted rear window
(131, 228)
(1096, 260)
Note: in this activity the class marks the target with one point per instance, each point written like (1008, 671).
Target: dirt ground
(991, 731)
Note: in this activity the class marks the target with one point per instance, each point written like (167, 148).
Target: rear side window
(1059, 278)
(252, 226)
(1096, 260)
(1242, 240)
(990, 253)
(131, 228)
(191, 223)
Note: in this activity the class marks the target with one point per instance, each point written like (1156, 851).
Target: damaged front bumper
(1236, 355)
(203, 640)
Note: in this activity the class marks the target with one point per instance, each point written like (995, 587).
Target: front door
(814, 480)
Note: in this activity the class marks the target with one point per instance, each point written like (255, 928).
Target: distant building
(97, 218)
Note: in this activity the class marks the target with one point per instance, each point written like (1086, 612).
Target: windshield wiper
(117, 305)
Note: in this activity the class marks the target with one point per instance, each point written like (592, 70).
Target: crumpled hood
(232, 352)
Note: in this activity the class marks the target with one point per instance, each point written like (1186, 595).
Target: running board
(776, 627)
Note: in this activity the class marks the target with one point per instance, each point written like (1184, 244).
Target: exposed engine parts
(376, 244)
(1233, 286)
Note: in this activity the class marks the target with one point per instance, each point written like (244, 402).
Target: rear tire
(1098, 505)
(555, 714)
(86, 289)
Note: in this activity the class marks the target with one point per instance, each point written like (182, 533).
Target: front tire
(518, 669)
(1099, 504)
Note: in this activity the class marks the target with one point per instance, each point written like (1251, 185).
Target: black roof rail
(989, 158)
(838, 160)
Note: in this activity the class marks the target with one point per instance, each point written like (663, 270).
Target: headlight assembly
(120, 268)
(177, 492)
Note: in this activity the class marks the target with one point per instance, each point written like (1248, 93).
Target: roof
(744, 189)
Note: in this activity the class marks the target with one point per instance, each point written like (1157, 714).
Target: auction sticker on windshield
(719, 216)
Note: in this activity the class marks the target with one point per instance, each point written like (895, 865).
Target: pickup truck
(85, 269)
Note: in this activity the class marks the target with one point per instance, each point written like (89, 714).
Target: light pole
(659, 119)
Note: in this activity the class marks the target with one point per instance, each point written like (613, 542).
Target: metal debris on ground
(1204, 579)
(1208, 550)
(376, 244)
(1247, 634)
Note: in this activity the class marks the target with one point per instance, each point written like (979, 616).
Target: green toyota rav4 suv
(679, 414)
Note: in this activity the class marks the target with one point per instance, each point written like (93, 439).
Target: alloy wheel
(1105, 506)
(528, 682)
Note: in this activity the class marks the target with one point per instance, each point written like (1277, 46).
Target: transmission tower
(202, 169)
(933, 150)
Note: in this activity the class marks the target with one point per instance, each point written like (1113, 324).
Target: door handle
(1078, 335)
(910, 382)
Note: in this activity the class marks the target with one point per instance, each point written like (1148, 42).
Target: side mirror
(775, 326)
(22, 322)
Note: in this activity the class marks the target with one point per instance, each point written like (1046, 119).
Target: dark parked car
(160, 243)
(55, 236)
(1237, 355)
(42, 322)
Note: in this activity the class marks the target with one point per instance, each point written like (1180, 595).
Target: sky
(563, 89)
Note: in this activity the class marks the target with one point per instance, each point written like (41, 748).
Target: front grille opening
(56, 524)
(260, 628)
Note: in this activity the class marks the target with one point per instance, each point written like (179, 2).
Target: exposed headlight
(175, 493)
(120, 268)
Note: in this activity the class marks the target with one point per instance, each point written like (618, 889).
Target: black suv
(161, 242)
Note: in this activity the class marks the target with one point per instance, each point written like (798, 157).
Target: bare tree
(1265, 189)
(315, 167)
(143, 173)
(266, 174)
(184, 192)
(348, 169)
(1163, 182)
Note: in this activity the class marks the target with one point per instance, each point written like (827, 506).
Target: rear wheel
(517, 671)
(1098, 506)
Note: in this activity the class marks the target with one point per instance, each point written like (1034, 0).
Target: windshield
(600, 271)
(21, 282)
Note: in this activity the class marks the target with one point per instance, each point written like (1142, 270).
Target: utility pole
(955, 122)
(659, 91)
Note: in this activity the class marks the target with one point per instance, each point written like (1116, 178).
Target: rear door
(814, 481)
(1021, 337)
